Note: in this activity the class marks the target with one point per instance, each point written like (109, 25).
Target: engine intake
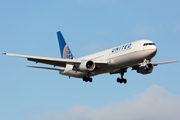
(86, 66)
(145, 69)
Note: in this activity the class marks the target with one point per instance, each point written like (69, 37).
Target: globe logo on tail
(67, 53)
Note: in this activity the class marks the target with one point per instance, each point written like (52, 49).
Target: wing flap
(58, 69)
(55, 63)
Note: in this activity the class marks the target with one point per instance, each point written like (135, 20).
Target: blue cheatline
(64, 49)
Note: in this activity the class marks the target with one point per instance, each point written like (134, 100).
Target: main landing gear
(122, 80)
(87, 78)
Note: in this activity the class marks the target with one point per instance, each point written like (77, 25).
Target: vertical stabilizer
(64, 49)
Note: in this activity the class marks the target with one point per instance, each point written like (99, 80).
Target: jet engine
(145, 69)
(86, 66)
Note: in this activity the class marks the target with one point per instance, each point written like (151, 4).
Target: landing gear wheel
(86, 79)
(90, 79)
(118, 80)
(121, 80)
(125, 81)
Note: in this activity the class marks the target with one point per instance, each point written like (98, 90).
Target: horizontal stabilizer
(58, 69)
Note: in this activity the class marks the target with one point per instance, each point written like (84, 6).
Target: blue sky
(29, 27)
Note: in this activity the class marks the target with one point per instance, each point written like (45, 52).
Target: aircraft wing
(153, 63)
(53, 61)
(135, 67)
(163, 62)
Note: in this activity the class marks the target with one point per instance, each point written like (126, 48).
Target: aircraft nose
(154, 50)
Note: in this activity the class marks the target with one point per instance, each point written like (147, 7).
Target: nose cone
(154, 51)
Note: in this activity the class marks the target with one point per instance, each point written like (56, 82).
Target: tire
(118, 80)
(125, 81)
(90, 79)
(121, 80)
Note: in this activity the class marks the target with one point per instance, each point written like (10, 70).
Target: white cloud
(154, 104)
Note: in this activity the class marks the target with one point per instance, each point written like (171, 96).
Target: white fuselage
(119, 57)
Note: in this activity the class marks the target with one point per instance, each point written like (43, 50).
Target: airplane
(136, 55)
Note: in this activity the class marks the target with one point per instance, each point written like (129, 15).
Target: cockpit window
(145, 44)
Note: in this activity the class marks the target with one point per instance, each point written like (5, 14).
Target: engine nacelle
(86, 66)
(145, 69)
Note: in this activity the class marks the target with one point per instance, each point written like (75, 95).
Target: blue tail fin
(64, 49)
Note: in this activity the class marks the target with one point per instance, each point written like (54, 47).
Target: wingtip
(174, 60)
